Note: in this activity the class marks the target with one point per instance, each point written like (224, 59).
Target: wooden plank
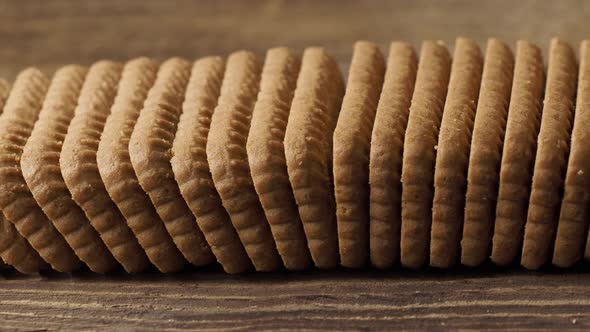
(482, 298)
(53, 33)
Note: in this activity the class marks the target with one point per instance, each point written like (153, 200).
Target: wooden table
(344, 300)
(49, 34)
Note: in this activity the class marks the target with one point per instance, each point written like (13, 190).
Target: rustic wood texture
(49, 34)
(486, 299)
(52, 33)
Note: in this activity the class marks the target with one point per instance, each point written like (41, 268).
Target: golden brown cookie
(116, 171)
(385, 162)
(352, 141)
(16, 201)
(14, 249)
(552, 154)
(228, 160)
(419, 156)
(150, 151)
(191, 169)
(308, 150)
(41, 171)
(452, 154)
(572, 228)
(486, 153)
(80, 171)
(266, 156)
(518, 156)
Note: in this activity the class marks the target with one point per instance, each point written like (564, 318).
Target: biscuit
(150, 151)
(486, 153)
(308, 150)
(228, 160)
(552, 155)
(266, 156)
(116, 171)
(352, 141)
(572, 227)
(14, 249)
(385, 162)
(452, 154)
(16, 201)
(80, 171)
(518, 153)
(41, 171)
(191, 169)
(419, 155)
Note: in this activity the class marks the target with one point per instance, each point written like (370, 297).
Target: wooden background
(53, 33)
(49, 34)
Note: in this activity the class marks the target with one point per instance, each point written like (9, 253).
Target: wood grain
(50, 34)
(53, 33)
(211, 300)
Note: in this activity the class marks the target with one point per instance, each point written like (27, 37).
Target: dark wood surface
(342, 300)
(49, 34)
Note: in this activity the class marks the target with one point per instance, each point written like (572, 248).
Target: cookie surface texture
(41, 170)
(518, 153)
(385, 162)
(452, 154)
(352, 140)
(80, 170)
(266, 156)
(228, 160)
(191, 169)
(14, 249)
(16, 201)
(572, 228)
(552, 156)
(116, 171)
(308, 150)
(150, 151)
(419, 155)
(486, 153)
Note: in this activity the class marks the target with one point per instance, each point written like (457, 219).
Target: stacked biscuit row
(276, 163)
